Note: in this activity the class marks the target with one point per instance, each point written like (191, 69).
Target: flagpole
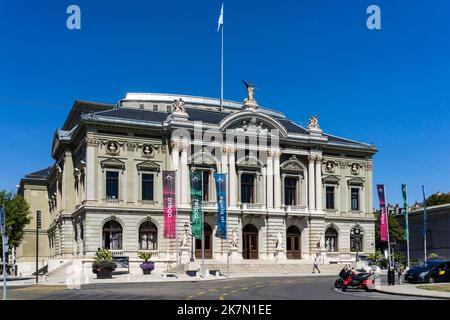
(221, 75)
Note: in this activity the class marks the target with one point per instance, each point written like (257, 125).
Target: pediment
(249, 122)
(331, 179)
(112, 163)
(293, 164)
(148, 166)
(203, 157)
(356, 181)
(249, 161)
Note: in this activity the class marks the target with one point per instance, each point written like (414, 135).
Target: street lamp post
(192, 241)
(357, 233)
(38, 213)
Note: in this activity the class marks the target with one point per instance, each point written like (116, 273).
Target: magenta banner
(170, 207)
(383, 215)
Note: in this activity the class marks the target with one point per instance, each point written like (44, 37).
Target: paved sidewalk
(412, 290)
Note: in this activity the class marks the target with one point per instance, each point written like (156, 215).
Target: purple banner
(170, 207)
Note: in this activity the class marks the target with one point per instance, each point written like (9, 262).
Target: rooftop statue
(313, 122)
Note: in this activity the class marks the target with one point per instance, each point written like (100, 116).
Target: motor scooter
(359, 281)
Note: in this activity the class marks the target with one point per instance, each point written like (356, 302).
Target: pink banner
(170, 207)
(383, 214)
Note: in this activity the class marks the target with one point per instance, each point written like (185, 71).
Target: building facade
(438, 239)
(290, 188)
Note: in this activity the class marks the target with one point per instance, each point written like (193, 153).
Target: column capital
(311, 158)
(275, 153)
(224, 150)
(175, 144)
(231, 150)
(319, 158)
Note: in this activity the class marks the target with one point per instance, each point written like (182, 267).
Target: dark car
(429, 272)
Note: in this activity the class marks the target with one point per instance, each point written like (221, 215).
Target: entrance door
(208, 243)
(293, 250)
(250, 242)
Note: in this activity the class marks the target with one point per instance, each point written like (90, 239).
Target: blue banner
(222, 218)
(424, 230)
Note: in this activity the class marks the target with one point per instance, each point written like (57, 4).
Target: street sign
(2, 219)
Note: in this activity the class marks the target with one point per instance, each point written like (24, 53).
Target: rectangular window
(290, 190)
(147, 187)
(247, 188)
(205, 185)
(155, 107)
(112, 185)
(329, 197)
(355, 199)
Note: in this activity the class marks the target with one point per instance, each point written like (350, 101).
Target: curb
(411, 294)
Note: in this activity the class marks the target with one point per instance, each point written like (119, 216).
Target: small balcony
(296, 209)
(209, 204)
(251, 206)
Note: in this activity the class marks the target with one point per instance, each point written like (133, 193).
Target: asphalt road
(290, 288)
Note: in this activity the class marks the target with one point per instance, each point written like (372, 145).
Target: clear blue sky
(389, 87)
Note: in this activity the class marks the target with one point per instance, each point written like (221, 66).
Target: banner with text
(196, 199)
(383, 214)
(405, 208)
(169, 201)
(222, 219)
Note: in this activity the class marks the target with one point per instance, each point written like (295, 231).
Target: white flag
(220, 23)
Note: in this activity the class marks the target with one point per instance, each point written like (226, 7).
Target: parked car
(429, 272)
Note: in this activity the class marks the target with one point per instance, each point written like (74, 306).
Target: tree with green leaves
(17, 216)
(396, 231)
(438, 198)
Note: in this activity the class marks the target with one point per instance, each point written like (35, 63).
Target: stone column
(232, 180)
(318, 175)
(184, 175)
(224, 161)
(224, 169)
(311, 193)
(175, 167)
(269, 180)
(276, 180)
(90, 169)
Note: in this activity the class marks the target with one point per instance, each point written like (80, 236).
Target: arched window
(331, 240)
(356, 239)
(112, 236)
(148, 236)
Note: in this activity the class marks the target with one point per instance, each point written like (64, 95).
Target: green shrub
(103, 261)
(145, 256)
(103, 254)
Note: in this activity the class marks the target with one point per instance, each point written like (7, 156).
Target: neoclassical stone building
(308, 188)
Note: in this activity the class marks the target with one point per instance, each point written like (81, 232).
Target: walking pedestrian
(400, 272)
(316, 264)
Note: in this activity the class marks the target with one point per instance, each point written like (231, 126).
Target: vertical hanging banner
(222, 218)
(2, 220)
(405, 208)
(424, 229)
(170, 207)
(383, 214)
(196, 198)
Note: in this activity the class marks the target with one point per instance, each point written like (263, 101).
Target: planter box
(147, 271)
(104, 274)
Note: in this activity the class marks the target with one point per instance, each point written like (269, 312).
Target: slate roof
(206, 116)
(215, 117)
(37, 177)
